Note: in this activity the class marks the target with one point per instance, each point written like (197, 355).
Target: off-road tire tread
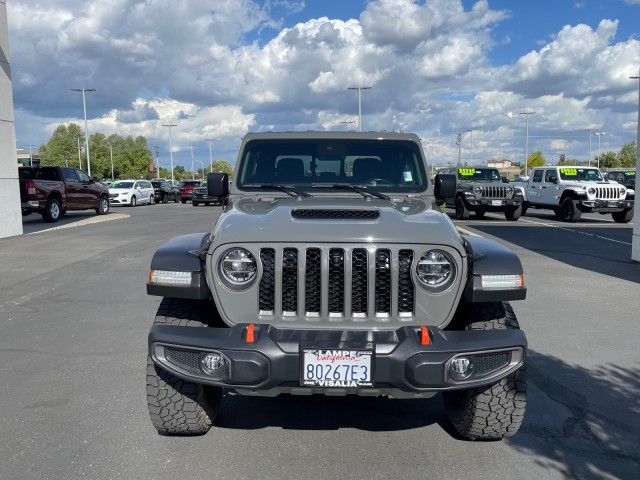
(495, 411)
(624, 216)
(177, 407)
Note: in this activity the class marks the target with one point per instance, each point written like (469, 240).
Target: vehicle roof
(565, 166)
(331, 135)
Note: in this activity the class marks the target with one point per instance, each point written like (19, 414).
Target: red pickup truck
(51, 191)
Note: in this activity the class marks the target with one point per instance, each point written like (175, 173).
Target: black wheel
(103, 205)
(184, 201)
(206, 204)
(462, 212)
(524, 209)
(151, 201)
(624, 216)
(495, 411)
(480, 212)
(513, 214)
(52, 212)
(195, 204)
(177, 407)
(133, 201)
(165, 199)
(569, 211)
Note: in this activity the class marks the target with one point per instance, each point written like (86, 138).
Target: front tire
(103, 206)
(152, 200)
(184, 201)
(569, 210)
(624, 216)
(462, 212)
(513, 214)
(178, 407)
(495, 411)
(134, 202)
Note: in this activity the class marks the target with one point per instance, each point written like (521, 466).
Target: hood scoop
(334, 214)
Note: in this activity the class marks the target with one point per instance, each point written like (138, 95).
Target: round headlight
(435, 269)
(622, 191)
(591, 191)
(477, 190)
(509, 190)
(238, 267)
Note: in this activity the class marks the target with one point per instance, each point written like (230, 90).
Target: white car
(131, 192)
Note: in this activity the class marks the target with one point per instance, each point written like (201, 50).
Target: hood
(273, 220)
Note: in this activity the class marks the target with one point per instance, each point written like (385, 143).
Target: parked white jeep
(571, 191)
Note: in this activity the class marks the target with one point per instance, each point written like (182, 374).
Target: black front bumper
(487, 204)
(605, 206)
(273, 360)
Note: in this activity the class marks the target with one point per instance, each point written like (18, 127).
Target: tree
(627, 155)
(62, 147)
(222, 166)
(536, 159)
(607, 160)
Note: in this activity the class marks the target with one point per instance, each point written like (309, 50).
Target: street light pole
(359, 89)
(589, 147)
(170, 126)
(635, 248)
(111, 154)
(210, 156)
(79, 157)
(156, 148)
(526, 141)
(193, 172)
(599, 134)
(86, 128)
(459, 143)
(471, 153)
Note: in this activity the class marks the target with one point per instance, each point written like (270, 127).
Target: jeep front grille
(494, 192)
(607, 193)
(336, 283)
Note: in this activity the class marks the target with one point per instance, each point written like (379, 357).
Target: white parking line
(86, 221)
(464, 231)
(553, 225)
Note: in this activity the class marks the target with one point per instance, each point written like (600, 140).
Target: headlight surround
(591, 191)
(477, 190)
(623, 191)
(509, 190)
(436, 270)
(238, 268)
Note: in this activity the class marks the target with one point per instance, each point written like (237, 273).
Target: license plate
(333, 368)
(613, 204)
(496, 203)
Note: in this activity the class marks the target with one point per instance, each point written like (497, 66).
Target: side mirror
(505, 180)
(444, 186)
(218, 184)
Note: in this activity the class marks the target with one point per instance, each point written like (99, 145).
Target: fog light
(461, 368)
(213, 363)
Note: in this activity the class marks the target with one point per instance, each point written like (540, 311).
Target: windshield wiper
(292, 191)
(364, 191)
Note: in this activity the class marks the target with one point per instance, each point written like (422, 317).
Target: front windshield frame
(580, 175)
(336, 157)
(481, 174)
(122, 184)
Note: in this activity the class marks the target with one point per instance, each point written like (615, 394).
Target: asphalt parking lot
(74, 317)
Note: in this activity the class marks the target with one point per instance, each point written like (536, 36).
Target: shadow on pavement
(582, 247)
(583, 423)
(34, 223)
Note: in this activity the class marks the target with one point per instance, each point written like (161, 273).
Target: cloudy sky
(220, 68)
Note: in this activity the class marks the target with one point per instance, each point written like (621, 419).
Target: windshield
(389, 165)
(191, 184)
(587, 174)
(156, 184)
(486, 174)
(122, 185)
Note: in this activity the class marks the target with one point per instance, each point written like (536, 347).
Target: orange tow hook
(424, 336)
(250, 336)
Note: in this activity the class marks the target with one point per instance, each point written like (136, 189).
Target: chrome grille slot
(267, 282)
(290, 282)
(359, 282)
(383, 283)
(313, 280)
(494, 192)
(336, 282)
(607, 193)
(405, 284)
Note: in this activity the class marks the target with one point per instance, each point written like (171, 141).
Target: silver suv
(329, 272)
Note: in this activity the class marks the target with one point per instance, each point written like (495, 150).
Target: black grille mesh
(186, 359)
(405, 284)
(336, 280)
(383, 281)
(359, 283)
(266, 290)
(290, 280)
(486, 363)
(312, 280)
(334, 214)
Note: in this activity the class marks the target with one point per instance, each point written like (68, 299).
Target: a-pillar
(10, 216)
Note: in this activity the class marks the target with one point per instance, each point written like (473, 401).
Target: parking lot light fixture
(359, 89)
(210, 156)
(86, 128)
(526, 141)
(599, 134)
(170, 126)
(193, 172)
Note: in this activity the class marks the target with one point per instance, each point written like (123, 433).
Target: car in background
(201, 195)
(51, 191)
(164, 192)
(186, 190)
(624, 176)
(131, 192)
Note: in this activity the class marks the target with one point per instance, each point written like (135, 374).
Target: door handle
(544, 187)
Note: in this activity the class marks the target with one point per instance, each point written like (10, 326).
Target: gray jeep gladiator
(330, 272)
(481, 190)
